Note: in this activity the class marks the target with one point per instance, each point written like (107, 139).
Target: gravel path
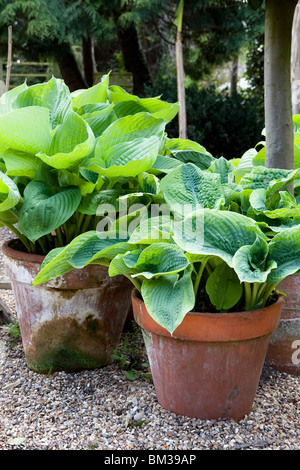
(104, 410)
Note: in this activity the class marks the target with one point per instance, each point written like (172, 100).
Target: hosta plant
(198, 256)
(62, 155)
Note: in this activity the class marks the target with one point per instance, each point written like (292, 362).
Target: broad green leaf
(21, 163)
(91, 203)
(169, 298)
(55, 266)
(187, 187)
(224, 287)
(164, 164)
(94, 94)
(7, 99)
(117, 94)
(177, 144)
(156, 107)
(245, 164)
(224, 168)
(200, 159)
(8, 218)
(9, 193)
(261, 177)
(54, 95)
(216, 232)
(124, 159)
(66, 179)
(71, 142)
(153, 230)
(284, 249)
(128, 128)
(251, 264)
(153, 261)
(26, 130)
(46, 208)
(148, 183)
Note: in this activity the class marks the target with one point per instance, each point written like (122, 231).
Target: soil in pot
(211, 365)
(71, 323)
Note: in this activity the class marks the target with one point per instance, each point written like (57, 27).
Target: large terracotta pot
(71, 323)
(211, 366)
(284, 349)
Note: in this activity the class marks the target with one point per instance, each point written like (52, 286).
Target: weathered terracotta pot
(71, 323)
(284, 349)
(211, 366)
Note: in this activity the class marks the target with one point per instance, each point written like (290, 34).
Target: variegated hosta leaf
(45, 208)
(187, 188)
(71, 142)
(284, 249)
(7, 99)
(9, 193)
(169, 298)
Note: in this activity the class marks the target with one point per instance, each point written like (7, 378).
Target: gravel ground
(104, 410)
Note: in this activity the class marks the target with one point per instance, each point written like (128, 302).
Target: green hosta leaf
(250, 262)
(169, 298)
(164, 164)
(94, 94)
(46, 208)
(261, 177)
(7, 99)
(224, 168)
(26, 130)
(282, 182)
(153, 230)
(8, 218)
(100, 119)
(116, 94)
(67, 179)
(176, 144)
(284, 249)
(200, 159)
(223, 287)
(216, 232)
(258, 199)
(126, 129)
(156, 107)
(55, 266)
(125, 159)
(91, 203)
(21, 163)
(245, 164)
(9, 193)
(148, 183)
(97, 248)
(187, 187)
(54, 95)
(72, 141)
(153, 261)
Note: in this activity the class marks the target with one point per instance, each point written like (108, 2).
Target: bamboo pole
(180, 74)
(9, 55)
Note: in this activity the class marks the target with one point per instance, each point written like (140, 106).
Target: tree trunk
(278, 96)
(181, 88)
(295, 61)
(234, 75)
(88, 60)
(68, 66)
(133, 59)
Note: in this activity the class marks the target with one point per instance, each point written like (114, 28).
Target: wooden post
(295, 61)
(9, 54)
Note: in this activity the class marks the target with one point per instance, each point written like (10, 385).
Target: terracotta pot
(211, 366)
(71, 323)
(284, 349)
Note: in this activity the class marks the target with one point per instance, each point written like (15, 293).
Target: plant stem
(60, 236)
(86, 223)
(198, 278)
(248, 296)
(79, 220)
(23, 239)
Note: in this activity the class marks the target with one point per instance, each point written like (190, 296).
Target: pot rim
(234, 326)
(20, 255)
